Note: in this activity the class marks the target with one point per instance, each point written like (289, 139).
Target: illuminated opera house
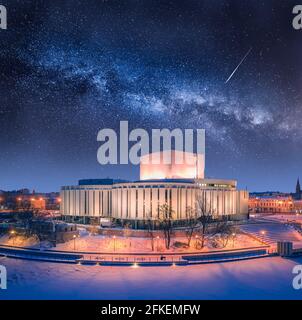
(174, 184)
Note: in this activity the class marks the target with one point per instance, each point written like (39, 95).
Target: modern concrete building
(140, 201)
(172, 165)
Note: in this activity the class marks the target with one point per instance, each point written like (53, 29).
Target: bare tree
(93, 228)
(150, 226)
(166, 215)
(127, 232)
(224, 232)
(206, 216)
(192, 222)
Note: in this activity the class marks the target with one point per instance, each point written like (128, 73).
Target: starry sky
(70, 68)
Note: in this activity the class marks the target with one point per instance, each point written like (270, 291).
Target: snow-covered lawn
(265, 278)
(99, 243)
(18, 241)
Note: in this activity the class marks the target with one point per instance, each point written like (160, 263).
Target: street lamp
(114, 242)
(74, 242)
(196, 237)
(263, 232)
(234, 235)
(19, 202)
(13, 232)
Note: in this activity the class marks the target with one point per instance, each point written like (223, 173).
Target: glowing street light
(196, 238)
(234, 235)
(263, 232)
(13, 232)
(157, 239)
(114, 237)
(74, 242)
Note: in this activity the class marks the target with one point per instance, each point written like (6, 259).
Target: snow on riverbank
(266, 278)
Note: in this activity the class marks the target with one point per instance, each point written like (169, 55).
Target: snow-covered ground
(99, 243)
(285, 217)
(265, 278)
(18, 241)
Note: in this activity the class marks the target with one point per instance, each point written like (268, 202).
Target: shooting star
(242, 60)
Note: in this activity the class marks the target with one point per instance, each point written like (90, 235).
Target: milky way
(69, 69)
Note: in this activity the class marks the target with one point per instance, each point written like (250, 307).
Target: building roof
(166, 181)
(107, 181)
(277, 198)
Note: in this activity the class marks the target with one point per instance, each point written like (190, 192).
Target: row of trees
(202, 222)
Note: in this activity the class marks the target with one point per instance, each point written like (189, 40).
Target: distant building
(298, 195)
(30, 201)
(271, 204)
(56, 232)
(25, 200)
(38, 203)
(298, 206)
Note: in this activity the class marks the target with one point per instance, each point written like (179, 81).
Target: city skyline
(230, 67)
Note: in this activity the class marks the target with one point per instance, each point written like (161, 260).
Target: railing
(227, 255)
(135, 260)
(132, 259)
(21, 252)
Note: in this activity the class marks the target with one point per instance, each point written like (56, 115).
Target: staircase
(271, 233)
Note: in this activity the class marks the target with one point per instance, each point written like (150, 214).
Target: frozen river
(265, 278)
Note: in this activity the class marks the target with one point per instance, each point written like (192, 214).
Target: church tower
(298, 190)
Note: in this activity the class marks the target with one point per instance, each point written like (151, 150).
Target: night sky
(71, 68)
